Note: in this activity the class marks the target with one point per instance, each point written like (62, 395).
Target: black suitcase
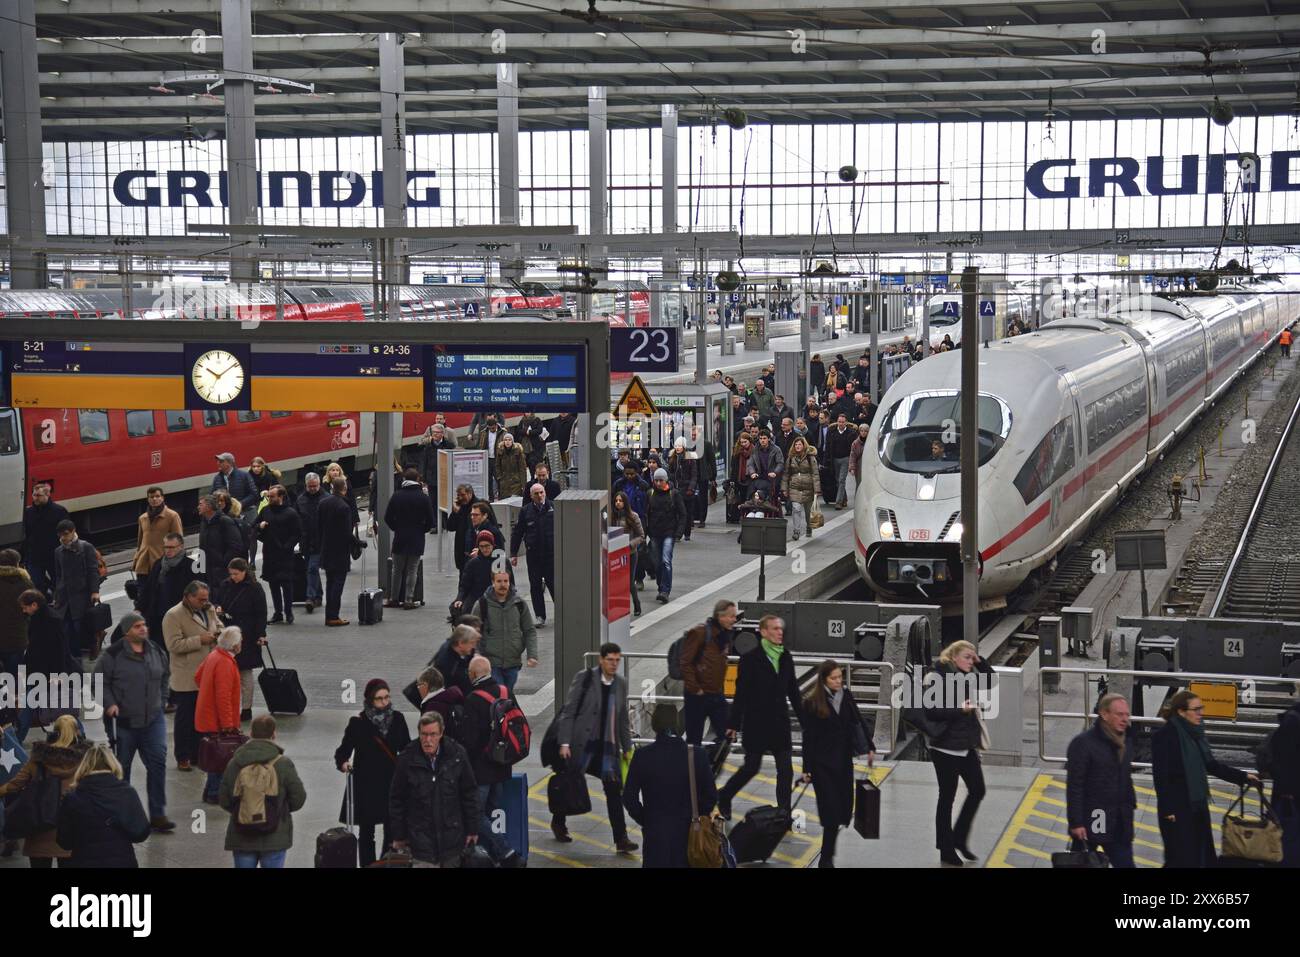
(338, 847)
(281, 688)
(756, 837)
(395, 588)
(299, 579)
(370, 606)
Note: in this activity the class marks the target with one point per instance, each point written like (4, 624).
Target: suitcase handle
(348, 802)
(802, 792)
(266, 645)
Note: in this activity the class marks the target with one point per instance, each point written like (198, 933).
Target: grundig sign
(333, 189)
(1122, 172)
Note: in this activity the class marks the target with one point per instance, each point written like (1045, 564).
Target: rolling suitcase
(338, 847)
(281, 688)
(395, 588)
(756, 837)
(370, 603)
(514, 802)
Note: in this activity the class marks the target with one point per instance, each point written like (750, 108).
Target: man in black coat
(483, 693)
(279, 528)
(409, 514)
(657, 792)
(76, 585)
(1100, 799)
(220, 540)
(335, 518)
(536, 530)
(308, 502)
(164, 586)
(839, 448)
(236, 481)
(40, 519)
(433, 804)
(453, 658)
(480, 520)
(432, 442)
(665, 523)
(542, 477)
(1285, 769)
(764, 682)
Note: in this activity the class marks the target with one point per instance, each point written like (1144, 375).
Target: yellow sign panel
(1219, 700)
(303, 394)
(1121, 262)
(82, 391)
(635, 400)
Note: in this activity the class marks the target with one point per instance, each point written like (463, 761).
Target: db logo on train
(919, 534)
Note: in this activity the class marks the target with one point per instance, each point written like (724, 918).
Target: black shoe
(724, 808)
(636, 613)
(661, 598)
(561, 832)
(515, 860)
(162, 825)
(949, 858)
(246, 714)
(288, 620)
(624, 846)
(703, 524)
(965, 852)
(276, 619)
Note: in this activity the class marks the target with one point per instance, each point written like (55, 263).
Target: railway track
(1262, 578)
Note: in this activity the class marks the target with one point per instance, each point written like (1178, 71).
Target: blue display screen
(479, 378)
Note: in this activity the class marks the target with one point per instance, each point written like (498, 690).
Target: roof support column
(668, 168)
(24, 166)
(597, 171)
(508, 161)
(241, 130)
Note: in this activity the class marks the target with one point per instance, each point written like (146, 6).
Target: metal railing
(1087, 717)
(652, 696)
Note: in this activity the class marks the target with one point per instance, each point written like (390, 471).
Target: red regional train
(101, 462)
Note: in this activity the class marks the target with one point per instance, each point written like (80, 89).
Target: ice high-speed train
(1069, 416)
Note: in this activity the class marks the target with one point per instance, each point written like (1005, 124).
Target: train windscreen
(921, 432)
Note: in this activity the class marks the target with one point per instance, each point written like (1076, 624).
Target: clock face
(218, 376)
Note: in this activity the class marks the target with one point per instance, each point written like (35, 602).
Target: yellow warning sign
(1219, 700)
(1122, 262)
(635, 400)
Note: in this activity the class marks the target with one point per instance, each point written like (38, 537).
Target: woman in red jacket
(217, 709)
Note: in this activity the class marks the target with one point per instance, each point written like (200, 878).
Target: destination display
(47, 373)
(369, 377)
(504, 378)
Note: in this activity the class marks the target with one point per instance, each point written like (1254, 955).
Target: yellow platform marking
(558, 858)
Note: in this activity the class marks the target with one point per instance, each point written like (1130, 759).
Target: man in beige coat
(155, 523)
(190, 631)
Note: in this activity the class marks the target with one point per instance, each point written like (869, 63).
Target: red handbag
(216, 750)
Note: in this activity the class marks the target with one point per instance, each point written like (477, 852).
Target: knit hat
(485, 537)
(661, 475)
(130, 620)
(373, 687)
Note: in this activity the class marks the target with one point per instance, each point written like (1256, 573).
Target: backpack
(455, 723)
(260, 804)
(675, 655)
(508, 735)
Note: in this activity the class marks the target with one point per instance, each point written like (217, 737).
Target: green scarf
(1196, 756)
(773, 653)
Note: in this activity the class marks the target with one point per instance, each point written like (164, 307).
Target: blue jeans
(212, 786)
(701, 708)
(314, 591)
(506, 677)
(72, 634)
(151, 742)
(663, 548)
(247, 860)
(489, 799)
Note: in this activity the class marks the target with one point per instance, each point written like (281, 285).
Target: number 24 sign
(643, 350)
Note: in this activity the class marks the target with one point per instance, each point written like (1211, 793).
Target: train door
(13, 477)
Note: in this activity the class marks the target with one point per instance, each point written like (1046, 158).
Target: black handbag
(132, 588)
(358, 546)
(36, 808)
(566, 792)
(866, 809)
(98, 618)
(1079, 856)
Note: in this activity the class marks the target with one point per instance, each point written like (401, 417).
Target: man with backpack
(486, 707)
(594, 733)
(508, 630)
(261, 789)
(702, 663)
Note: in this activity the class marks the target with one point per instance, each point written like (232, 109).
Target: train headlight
(954, 533)
(925, 492)
(887, 530)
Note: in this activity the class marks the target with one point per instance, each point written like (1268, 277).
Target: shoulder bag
(704, 841)
(1246, 840)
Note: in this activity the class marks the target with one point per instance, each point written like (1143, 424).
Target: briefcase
(216, 750)
(866, 809)
(99, 618)
(566, 792)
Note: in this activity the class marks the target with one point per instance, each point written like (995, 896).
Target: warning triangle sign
(636, 399)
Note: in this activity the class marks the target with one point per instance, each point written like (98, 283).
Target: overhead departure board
(46, 373)
(369, 377)
(504, 378)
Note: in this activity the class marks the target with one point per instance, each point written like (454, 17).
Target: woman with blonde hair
(101, 817)
(955, 740)
(57, 758)
(333, 471)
